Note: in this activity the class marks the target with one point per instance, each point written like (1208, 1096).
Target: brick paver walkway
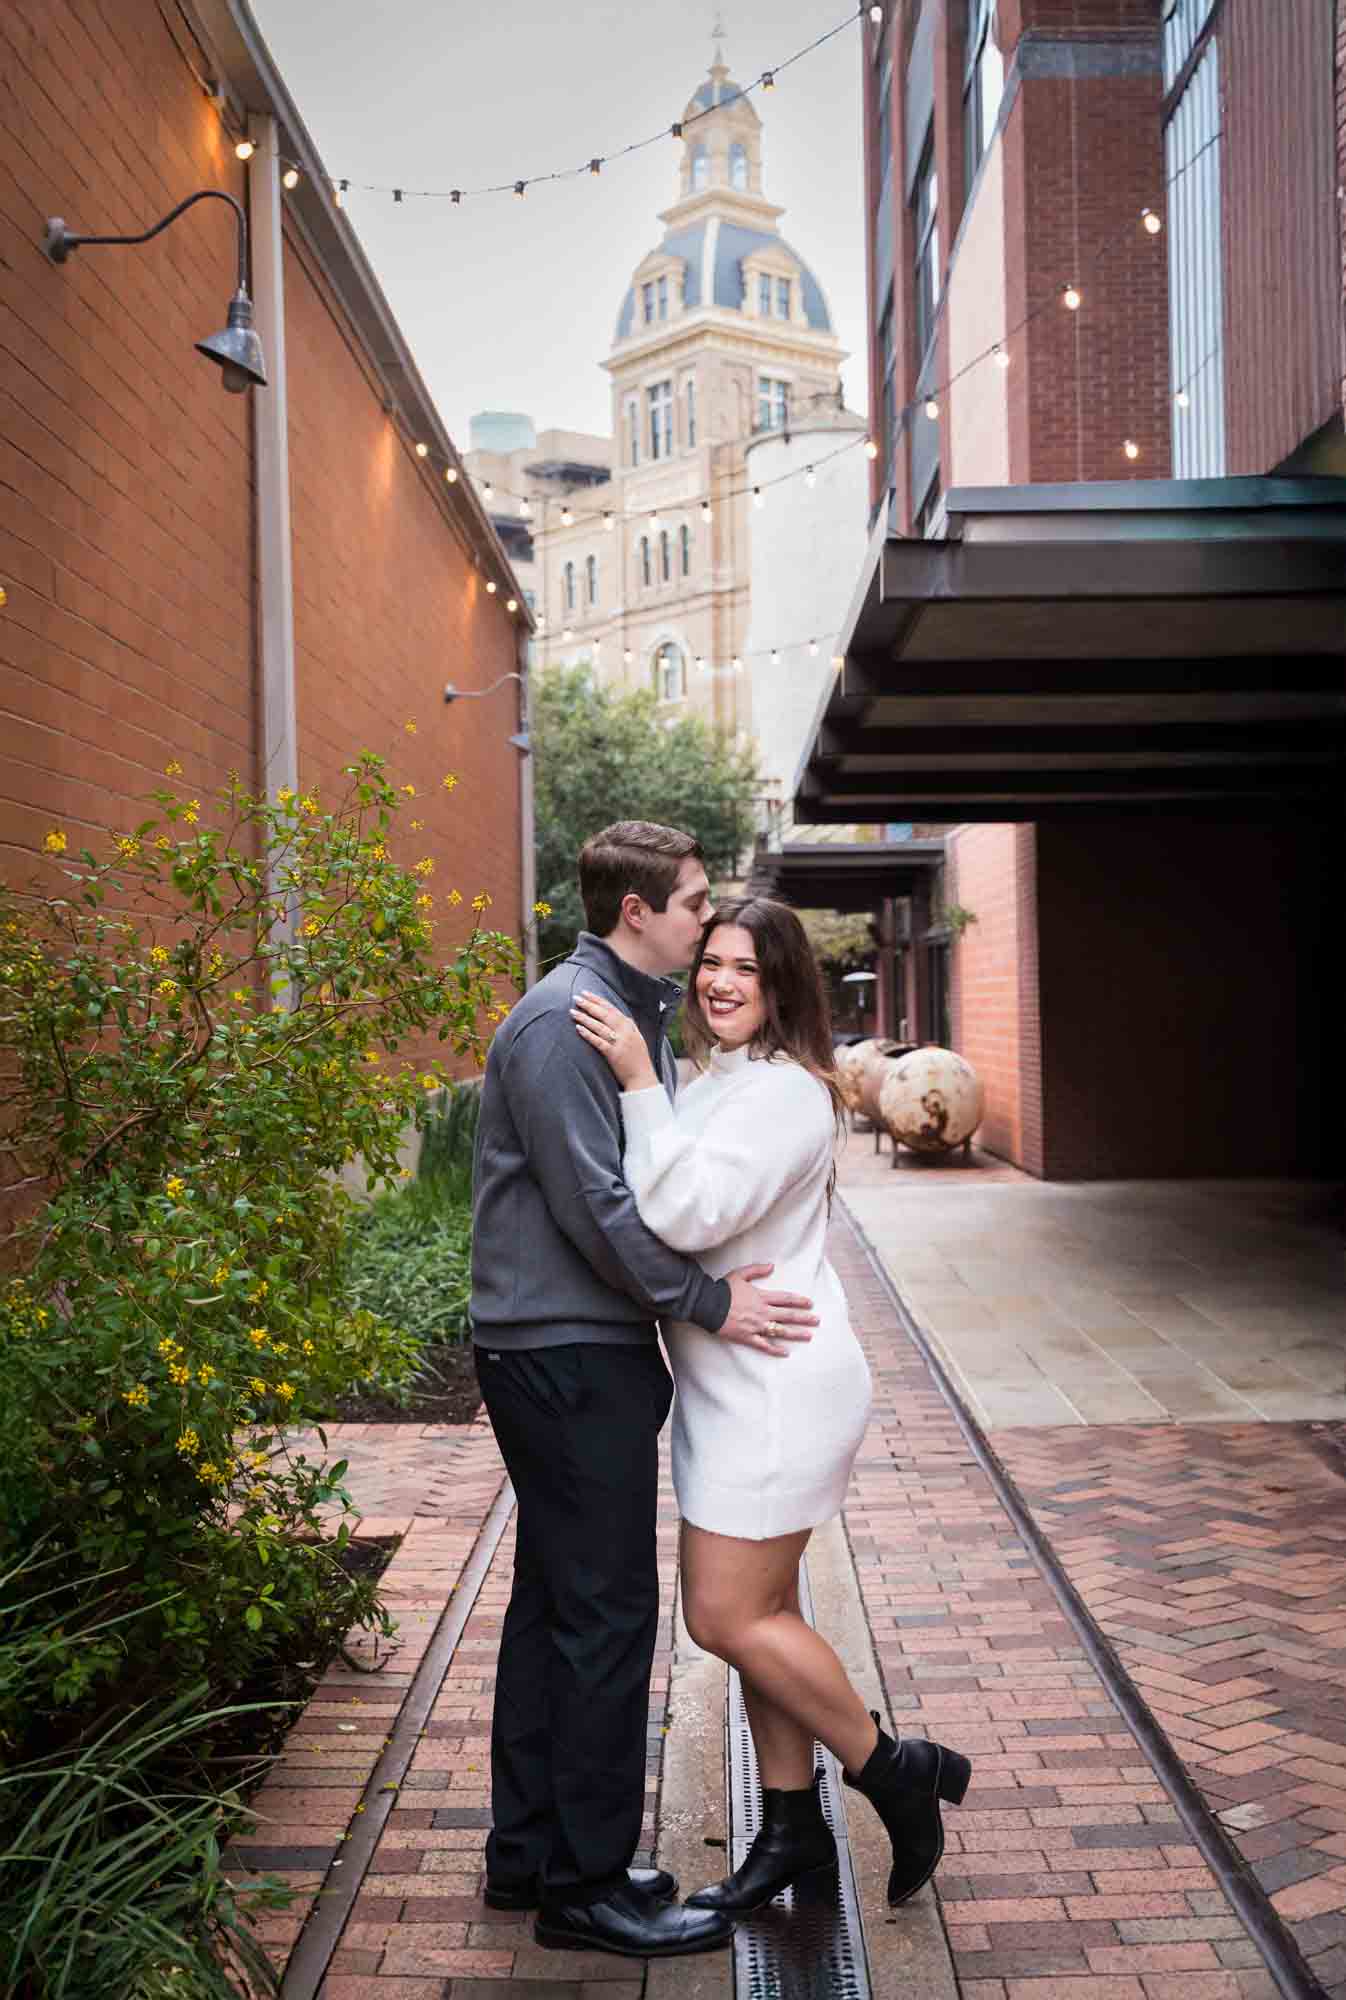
(1214, 1557)
(1068, 1875)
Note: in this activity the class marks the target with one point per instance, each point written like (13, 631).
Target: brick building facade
(151, 603)
(1106, 279)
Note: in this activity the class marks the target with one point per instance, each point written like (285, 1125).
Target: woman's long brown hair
(798, 1020)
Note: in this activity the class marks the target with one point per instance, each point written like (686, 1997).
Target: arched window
(591, 578)
(685, 537)
(738, 168)
(665, 557)
(670, 672)
(700, 169)
(568, 584)
(646, 573)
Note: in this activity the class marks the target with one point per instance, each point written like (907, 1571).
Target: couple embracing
(609, 1210)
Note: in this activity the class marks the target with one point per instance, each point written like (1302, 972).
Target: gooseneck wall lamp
(237, 350)
(521, 739)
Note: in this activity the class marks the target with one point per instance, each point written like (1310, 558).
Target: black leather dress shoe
(656, 1883)
(630, 1924)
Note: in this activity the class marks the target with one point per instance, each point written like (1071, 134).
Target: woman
(741, 1173)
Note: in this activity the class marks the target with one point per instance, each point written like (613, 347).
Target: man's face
(671, 935)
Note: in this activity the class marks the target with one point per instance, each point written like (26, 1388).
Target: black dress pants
(578, 1430)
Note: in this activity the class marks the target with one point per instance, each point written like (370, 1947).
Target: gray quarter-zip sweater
(559, 1252)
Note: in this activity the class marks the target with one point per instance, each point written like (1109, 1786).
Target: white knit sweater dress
(737, 1174)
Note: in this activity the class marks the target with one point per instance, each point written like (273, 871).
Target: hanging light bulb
(775, 656)
(932, 407)
(487, 490)
(876, 16)
(1182, 399)
(451, 474)
(1000, 356)
(1131, 448)
(736, 665)
(871, 449)
(1153, 223)
(568, 634)
(838, 662)
(338, 191)
(758, 497)
(705, 510)
(813, 649)
(701, 663)
(525, 509)
(627, 655)
(511, 604)
(654, 522)
(422, 449)
(810, 477)
(608, 523)
(595, 166)
(567, 518)
(1071, 298)
(491, 586)
(245, 149)
(290, 178)
(520, 189)
(768, 80)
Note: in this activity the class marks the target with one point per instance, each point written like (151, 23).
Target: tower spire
(717, 35)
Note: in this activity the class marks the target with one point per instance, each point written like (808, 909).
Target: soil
(446, 1392)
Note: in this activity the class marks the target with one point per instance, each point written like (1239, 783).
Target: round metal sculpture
(931, 1101)
(850, 1061)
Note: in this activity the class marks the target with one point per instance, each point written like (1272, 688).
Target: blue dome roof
(712, 93)
(724, 284)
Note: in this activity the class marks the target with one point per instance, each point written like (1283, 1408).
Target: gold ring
(774, 1326)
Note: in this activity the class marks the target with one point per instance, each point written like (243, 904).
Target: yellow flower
(164, 844)
(256, 1459)
(259, 1291)
(424, 867)
(138, 1397)
(284, 795)
(429, 1082)
(450, 780)
(215, 964)
(372, 1055)
(168, 1348)
(188, 1444)
(311, 928)
(309, 803)
(256, 1494)
(481, 903)
(158, 955)
(498, 1014)
(209, 1473)
(240, 993)
(257, 1335)
(454, 898)
(175, 1188)
(179, 1375)
(307, 1347)
(193, 811)
(280, 1347)
(173, 769)
(410, 791)
(410, 725)
(425, 902)
(378, 852)
(127, 847)
(167, 989)
(418, 826)
(55, 842)
(285, 1389)
(257, 1385)
(541, 909)
(220, 1275)
(204, 1376)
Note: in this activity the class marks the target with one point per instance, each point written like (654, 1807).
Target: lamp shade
(238, 349)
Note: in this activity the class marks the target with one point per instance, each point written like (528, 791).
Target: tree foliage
(603, 755)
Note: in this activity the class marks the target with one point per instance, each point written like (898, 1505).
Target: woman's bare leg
(784, 1747)
(740, 1601)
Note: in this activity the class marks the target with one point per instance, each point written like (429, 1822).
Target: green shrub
(411, 1263)
(201, 1033)
(448, 1141)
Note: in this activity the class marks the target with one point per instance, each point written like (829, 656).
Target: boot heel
(955, 1774)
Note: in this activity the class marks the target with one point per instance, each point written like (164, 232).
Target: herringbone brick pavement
(1067, 1874)
(1214, 1557)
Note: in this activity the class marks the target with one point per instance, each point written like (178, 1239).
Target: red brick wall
(980, 875)
(1189, 1025)
(126, 522)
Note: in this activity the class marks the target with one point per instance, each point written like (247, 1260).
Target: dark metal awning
(1174, 645)
(843, 876)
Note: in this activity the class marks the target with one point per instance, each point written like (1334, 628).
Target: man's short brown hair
(632, 857)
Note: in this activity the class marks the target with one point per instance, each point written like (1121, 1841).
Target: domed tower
(723, 336)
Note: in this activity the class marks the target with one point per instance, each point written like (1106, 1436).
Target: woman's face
(729, 986)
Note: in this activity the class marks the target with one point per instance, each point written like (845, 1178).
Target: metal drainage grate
(806, 1945)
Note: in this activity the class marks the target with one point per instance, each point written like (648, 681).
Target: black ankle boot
(904, 1782)
(794, 1845)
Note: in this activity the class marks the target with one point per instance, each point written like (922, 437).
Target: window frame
(633, 430)
(591, 580)
(568, 585)
(979, 30)
(691, 412)
(738, 157)
(764, 295)
(773, 403)
(784, 297)
(925, 235)
(646, 570)
(659, 415)
(661, 295)
(665, 556)
(668, 656)
(647, 303)
(685, 547)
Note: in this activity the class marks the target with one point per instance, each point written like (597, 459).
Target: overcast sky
(511, 304)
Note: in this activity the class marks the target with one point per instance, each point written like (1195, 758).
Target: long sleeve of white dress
(699, 1188)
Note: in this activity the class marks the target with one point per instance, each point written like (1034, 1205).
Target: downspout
(271, 455)
(527, 824)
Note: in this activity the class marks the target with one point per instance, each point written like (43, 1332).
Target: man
(567, 1288)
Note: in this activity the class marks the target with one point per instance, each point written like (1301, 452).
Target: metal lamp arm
(452, 693)
(61, 241)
